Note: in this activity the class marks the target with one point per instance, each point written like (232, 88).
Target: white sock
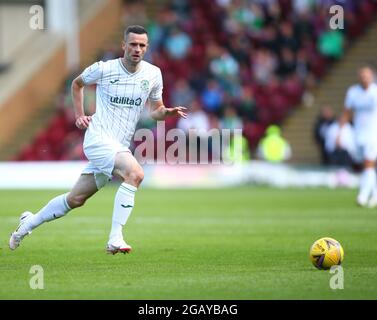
(367, 184)
(123, 204)
(374, 193)
(56, 208)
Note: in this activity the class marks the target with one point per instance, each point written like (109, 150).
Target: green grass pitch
(237, 243)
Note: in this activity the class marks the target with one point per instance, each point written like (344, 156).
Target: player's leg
(373, 200)
(56, 208)
(371, 182)
(85, 187)
(368, 182)
(131, 173)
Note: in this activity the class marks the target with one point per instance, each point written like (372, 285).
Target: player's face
(366, 76)
(135, 47)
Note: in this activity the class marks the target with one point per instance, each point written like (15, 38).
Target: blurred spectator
(182, 94)
(155, 34)
(270, 38)
(212, 96)
(302, 65)
(346, 4)
(287, 64)
(182, 8)
(274, 12)
(340, 144)
(331, 44)
(264, 65)
(224, 66)
(303, 27)
(293, 89)
(303, 6)
(273, 147)
(244, 15)
(224, 3)
(226, 70)
(246, 104)
(156, 31)
(308, 92)
(178, 44)
(230, 119)
(324, 120)
(134, 13)
(196, 119)
(319, 22)
(287, 38)
(240, 47)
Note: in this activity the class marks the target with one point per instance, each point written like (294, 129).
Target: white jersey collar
(125, 69)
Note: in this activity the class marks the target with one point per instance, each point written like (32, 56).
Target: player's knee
(75, 201)
(135, 177)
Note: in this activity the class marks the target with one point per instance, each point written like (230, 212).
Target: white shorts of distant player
(101, 152)
(365, 151)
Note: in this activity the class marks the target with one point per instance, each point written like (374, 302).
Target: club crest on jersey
(144, 85)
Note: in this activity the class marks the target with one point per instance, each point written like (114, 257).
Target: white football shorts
(365, 151)
(101, 152)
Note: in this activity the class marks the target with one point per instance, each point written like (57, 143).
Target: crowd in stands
(242, 64)
(337, 144)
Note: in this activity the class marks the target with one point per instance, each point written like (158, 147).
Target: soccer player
(361, 106)
(123, 87)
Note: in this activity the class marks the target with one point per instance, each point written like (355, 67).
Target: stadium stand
(261, 58)
(38, 69)
(332, 87)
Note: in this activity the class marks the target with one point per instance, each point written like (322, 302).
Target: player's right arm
(82, 121)
(91, 75)
(345, 117)
(347, 114)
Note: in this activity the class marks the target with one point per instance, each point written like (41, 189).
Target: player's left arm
(160, 111)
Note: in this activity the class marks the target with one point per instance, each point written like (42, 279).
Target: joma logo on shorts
(126, 101)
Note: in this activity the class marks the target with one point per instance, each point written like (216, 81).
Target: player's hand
(83, 122)
(181, 111)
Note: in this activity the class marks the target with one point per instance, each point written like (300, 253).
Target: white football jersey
(121, 97)
(363, 103)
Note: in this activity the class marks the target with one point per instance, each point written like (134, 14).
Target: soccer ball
(325, 253)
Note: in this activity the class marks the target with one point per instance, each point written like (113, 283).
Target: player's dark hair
(134, 29)
(368, 65)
